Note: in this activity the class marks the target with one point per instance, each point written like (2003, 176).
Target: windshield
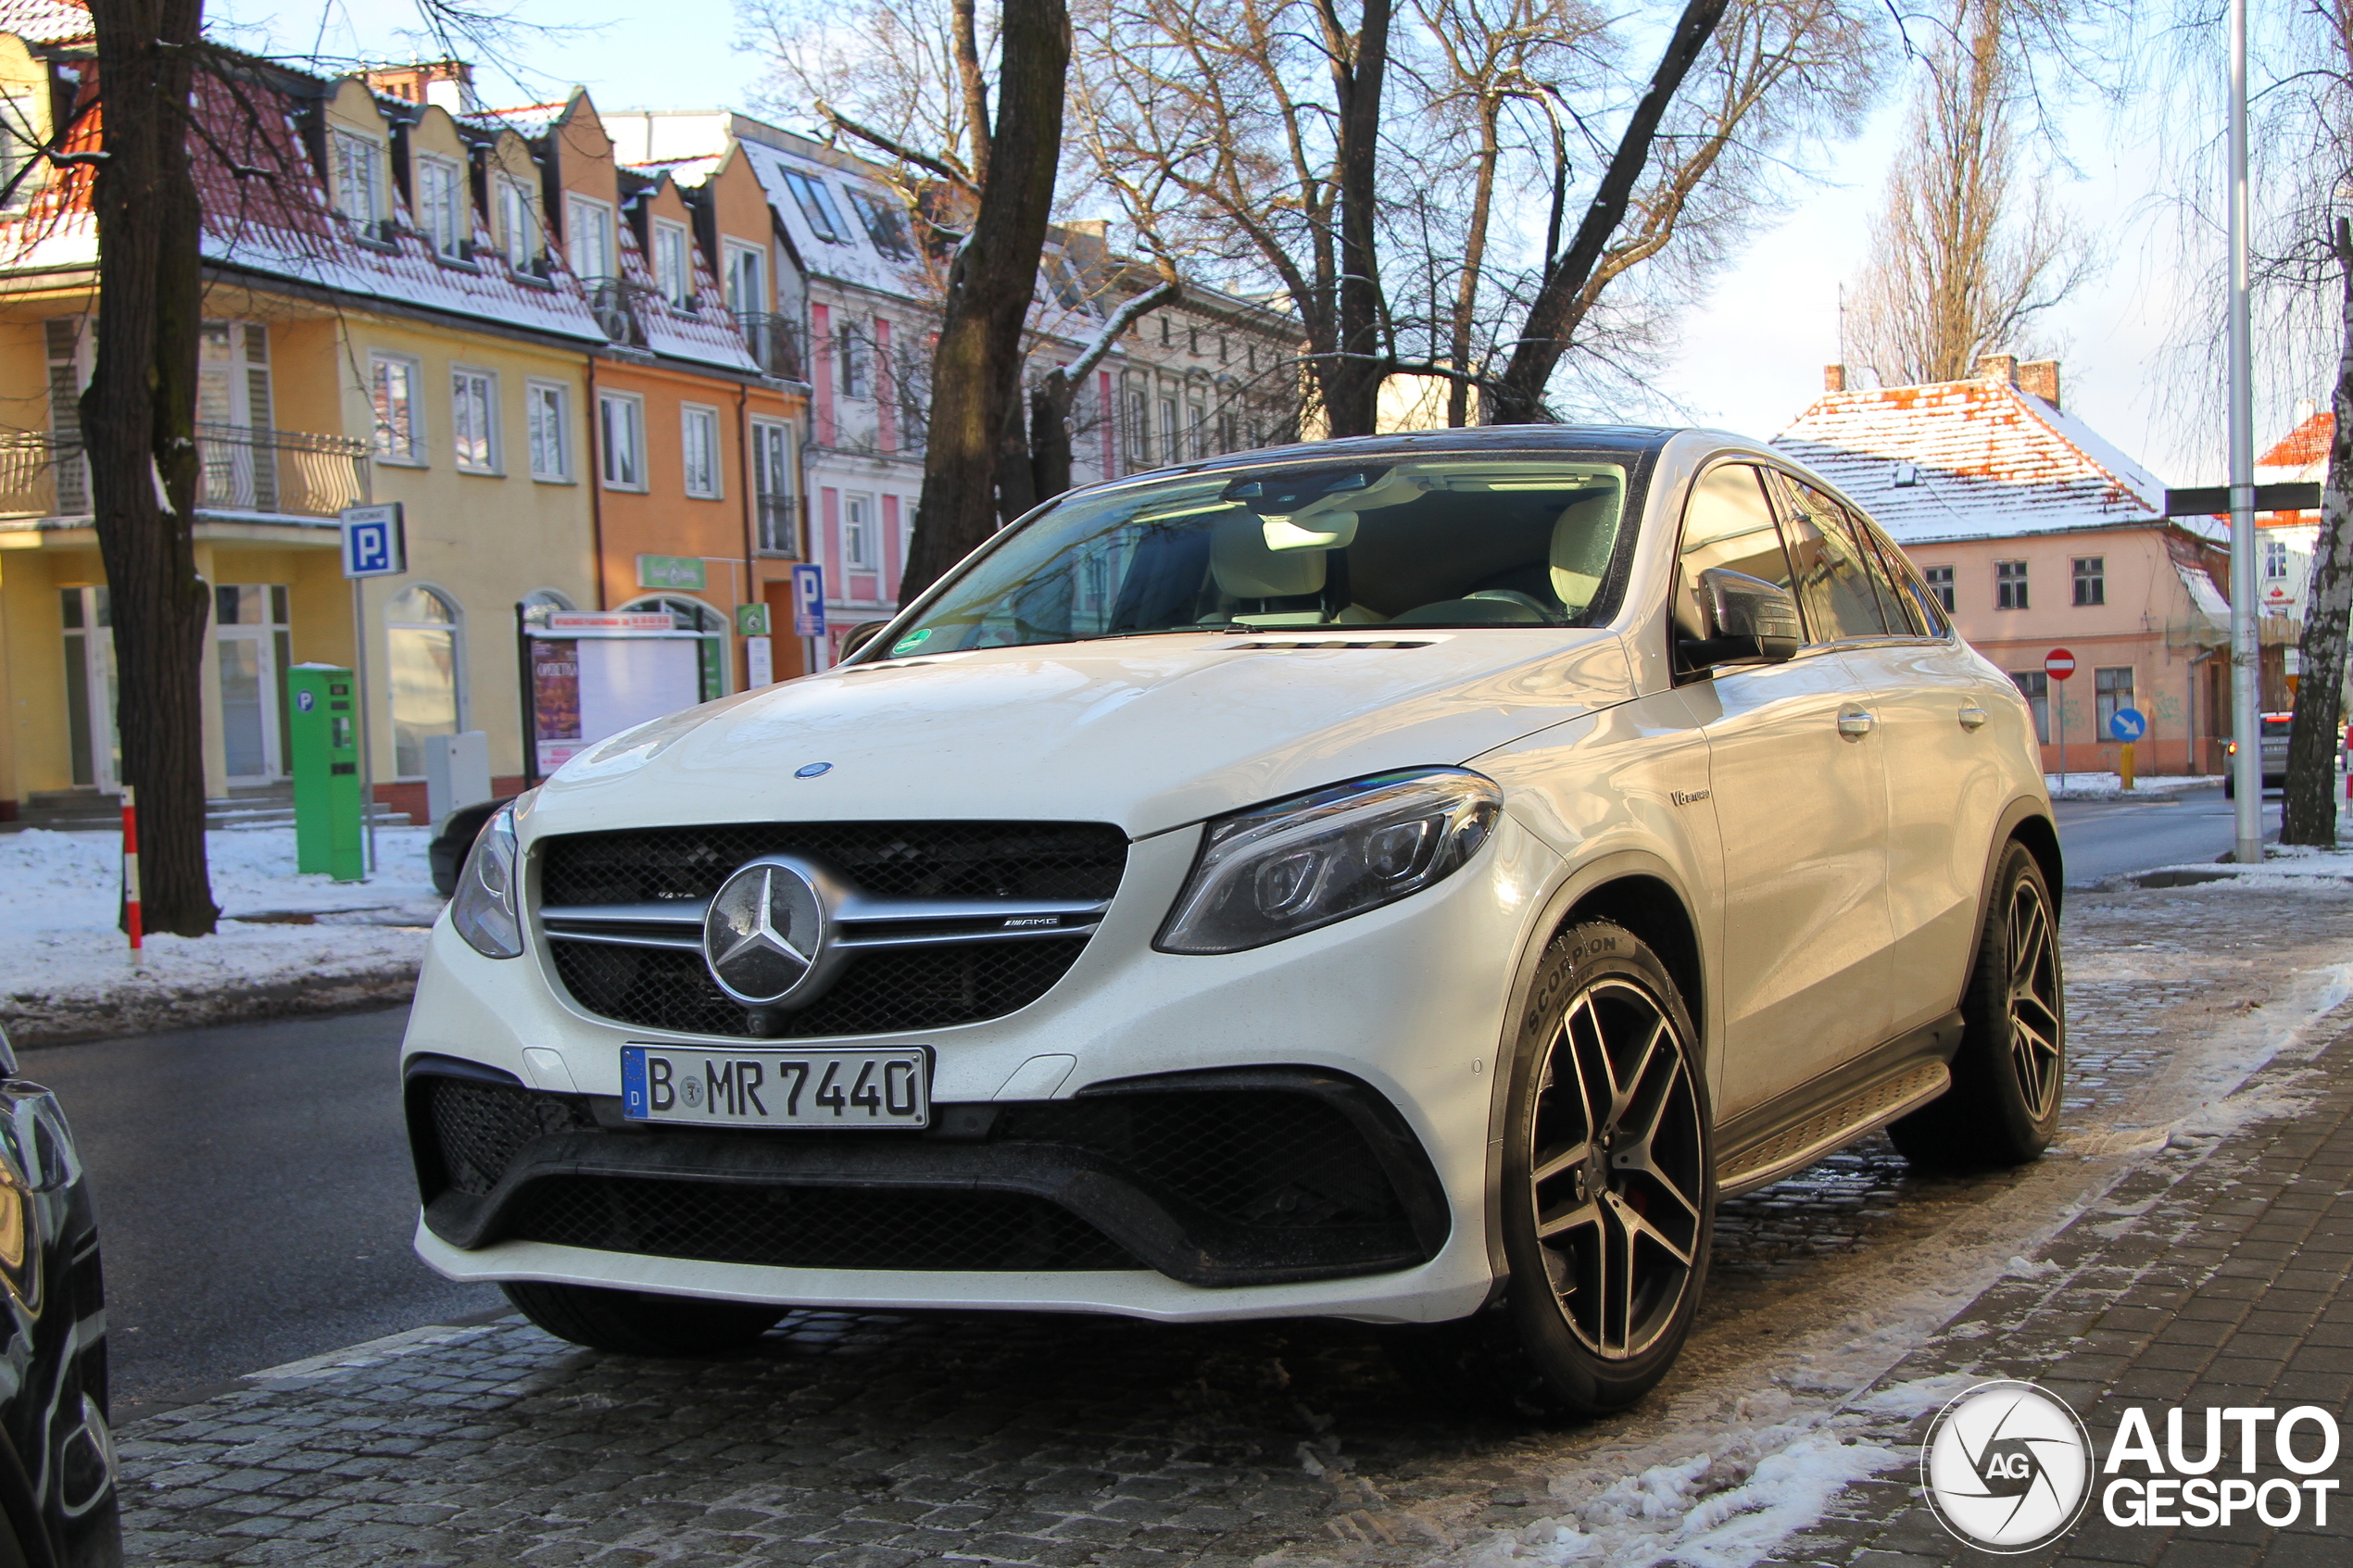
(1446, 542)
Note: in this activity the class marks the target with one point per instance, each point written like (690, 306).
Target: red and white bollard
(131, 872)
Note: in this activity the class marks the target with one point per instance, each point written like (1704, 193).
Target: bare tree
(1959, 268)
(2308, 812)
(138, 427)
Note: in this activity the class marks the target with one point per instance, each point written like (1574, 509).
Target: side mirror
(1749, 621)
(858, 636)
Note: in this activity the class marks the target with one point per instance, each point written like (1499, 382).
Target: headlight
(1276, 870)
(487, 909)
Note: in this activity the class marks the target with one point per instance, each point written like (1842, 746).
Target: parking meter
(328, 812)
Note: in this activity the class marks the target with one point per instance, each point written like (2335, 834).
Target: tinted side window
(1832, 581)
(1726, 523)
(1902, 616)
(1922, 607)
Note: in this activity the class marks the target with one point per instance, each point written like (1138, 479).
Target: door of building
(251, 643)
(93, 738)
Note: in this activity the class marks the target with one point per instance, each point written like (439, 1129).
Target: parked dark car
(447, 851)
(58, 1502)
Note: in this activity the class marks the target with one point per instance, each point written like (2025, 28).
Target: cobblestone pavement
(872, 1439)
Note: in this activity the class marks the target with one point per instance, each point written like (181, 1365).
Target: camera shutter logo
(764, 935)
(2008, 1467)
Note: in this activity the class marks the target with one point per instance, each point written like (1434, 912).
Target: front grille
(1271, 1158)
(887, 859)
(963, 868)
(479, 1128)
(812, 1227)
(876, 993)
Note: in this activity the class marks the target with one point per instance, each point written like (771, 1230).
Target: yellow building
(389, 318)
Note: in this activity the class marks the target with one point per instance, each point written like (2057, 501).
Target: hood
(1147, 732)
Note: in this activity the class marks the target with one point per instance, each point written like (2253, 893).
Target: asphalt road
(255, 1196)
(2104, 838)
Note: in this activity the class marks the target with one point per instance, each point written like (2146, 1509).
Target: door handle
(1972, 717)
(1855, 724)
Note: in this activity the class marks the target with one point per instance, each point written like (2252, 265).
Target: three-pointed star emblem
(762, 936)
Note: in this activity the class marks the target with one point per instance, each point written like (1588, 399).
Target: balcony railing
(779, 522)
(774, 342)
(284, 471)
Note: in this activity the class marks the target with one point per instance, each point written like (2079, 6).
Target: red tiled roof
(1969, 459)
(45, 21)
(2307, 442)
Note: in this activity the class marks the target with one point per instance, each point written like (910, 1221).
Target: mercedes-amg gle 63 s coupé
(1406, 879)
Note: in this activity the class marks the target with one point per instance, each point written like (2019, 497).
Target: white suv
(1406, 880)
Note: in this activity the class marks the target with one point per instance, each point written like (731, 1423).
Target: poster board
(591, 674)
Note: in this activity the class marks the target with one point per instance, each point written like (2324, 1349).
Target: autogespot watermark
(2008, 1467)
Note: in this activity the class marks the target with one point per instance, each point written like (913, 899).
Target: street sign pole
(2247, 666)
(375, 544)
(2058, 664)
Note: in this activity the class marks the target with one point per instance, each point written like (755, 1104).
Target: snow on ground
(286, 942)
(2111, 786)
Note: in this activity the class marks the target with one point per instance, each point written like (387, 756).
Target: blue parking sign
(374, 541)
(809, 600)
(2128, 724)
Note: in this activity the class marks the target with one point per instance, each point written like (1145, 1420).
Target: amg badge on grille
(766, 933)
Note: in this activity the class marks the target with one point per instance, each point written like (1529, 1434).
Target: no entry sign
(2060, 664)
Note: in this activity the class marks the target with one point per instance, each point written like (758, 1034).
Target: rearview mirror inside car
(1749, 621)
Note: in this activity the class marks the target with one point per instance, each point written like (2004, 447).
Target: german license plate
(776, 1088)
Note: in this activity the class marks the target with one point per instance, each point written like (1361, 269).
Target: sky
(1753, 347)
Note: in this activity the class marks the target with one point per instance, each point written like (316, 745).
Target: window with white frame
(518, 222)
(747, 279)
(699, 444)
(771, 484)
(358, 175)
(1172, 438)
(393, 384)
(2275, 560)
(547, 411)
(441, 205)
(2009, 584)
(590, 231)
(673, 276)
(1940, 583)
(621, 440)
(858, 531)
(1139, 432)
(473, 420)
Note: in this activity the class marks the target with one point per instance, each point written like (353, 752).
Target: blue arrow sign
(2128, 723)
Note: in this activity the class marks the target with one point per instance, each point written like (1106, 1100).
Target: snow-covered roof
(2302, 453)
(847, 252)
(1970, 460)
(45, 21)
(2208, 600)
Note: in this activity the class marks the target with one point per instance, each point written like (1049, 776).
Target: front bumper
(1393, 1017)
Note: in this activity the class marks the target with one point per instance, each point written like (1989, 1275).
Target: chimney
(1833, 378)
(1999, 369)
(2041, 378)
(450, 83)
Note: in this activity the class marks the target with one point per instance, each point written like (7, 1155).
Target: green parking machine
(328, 820)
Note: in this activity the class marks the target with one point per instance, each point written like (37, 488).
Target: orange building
(694, 411)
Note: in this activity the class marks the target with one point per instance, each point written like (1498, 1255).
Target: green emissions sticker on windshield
(911, 640)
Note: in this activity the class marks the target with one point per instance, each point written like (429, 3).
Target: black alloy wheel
(2009, 1074)
(1614, 1168)
(1608, 1195)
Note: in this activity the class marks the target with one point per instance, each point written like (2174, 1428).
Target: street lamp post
(2246, 667)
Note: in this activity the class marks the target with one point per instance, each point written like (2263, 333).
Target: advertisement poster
(613, 671)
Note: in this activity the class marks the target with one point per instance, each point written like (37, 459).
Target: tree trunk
(976, 369)
(1474, 255)
(1553, 316)
(1351, 382)
(1017, 468)
(138, 423)
(1050, 405)
(2308, 812)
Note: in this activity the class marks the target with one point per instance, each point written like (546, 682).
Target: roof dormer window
(672, 273)
(883, 225)
(591, 234)
(1906, 476)
(441, 207)
(358, 172)
(816, 205)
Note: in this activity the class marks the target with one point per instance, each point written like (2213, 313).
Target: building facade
(393, 314)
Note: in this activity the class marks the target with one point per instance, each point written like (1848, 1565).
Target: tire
(2011, 1067)
(1596, 1311)
(630, 1324)
(2229, 787)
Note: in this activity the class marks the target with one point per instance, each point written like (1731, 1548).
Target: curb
(35, 1021)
